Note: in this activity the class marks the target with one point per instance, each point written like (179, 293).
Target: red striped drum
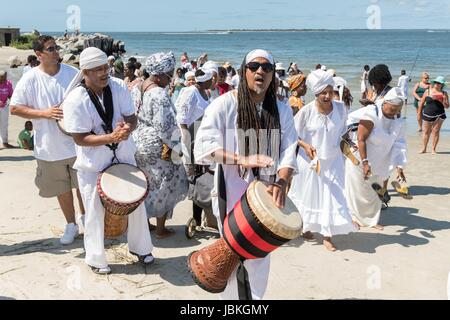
(254, 229)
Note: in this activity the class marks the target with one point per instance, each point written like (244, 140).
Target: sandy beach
(6, 52)
(408, 260)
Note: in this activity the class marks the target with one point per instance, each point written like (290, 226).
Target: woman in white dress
(190, 106)
(318, 189)
(381, 142)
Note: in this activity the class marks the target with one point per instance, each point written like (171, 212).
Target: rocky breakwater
(71, 46)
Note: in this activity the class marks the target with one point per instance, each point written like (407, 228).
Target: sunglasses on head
(254, 66)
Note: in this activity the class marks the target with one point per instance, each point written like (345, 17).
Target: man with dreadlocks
(234, 134)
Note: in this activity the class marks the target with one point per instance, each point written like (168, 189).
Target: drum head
(61, 127)
(285, 223)
(124, 183)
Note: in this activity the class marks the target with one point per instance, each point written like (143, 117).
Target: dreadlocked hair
(248, 117)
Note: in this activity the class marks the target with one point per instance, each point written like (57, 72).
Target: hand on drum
(257, 161)
(54, 113)
(121, 132)
(278, 192)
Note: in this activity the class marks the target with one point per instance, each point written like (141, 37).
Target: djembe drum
(122, 189)
(61, 124)
(254, 228)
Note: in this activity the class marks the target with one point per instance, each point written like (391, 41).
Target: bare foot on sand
(329, 245)
(423, 151)
(378, 227)
(165, 233)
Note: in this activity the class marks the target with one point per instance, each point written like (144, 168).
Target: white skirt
(320, 199)
(362, 200)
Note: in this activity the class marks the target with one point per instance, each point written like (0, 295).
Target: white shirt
(82, 117)
(403, 84)
(235, 81)
(190, 106)
(386, 144)
(41, 91)
(321, 131)
(26, 69)
(219, 131)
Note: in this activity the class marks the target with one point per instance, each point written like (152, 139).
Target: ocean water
(346, 51)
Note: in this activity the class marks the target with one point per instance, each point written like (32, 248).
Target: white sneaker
(70, 234)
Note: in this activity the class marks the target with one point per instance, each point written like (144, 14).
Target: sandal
(382, 193)
(146, 259)
(101, 271)
(401, 188)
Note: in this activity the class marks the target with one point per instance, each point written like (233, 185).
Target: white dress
(219, 131)
(386, 145)
(320, 198)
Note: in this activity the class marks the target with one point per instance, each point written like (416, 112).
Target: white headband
(395, 97)
(259, 53)
(206, 77)
(318, 80)
(90, 58)
(211, 65)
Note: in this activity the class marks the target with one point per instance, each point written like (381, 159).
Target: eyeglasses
(101, 70)
(52, 49)
(254, 66)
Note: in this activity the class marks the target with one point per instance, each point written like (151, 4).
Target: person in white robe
(219, 140)
(318, 192)
(381, 143)
(93, 155)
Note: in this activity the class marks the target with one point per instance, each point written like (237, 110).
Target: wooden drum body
(122, 189)
(254, 229)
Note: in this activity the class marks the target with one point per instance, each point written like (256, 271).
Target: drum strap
(244, 290)
(222, 192)
(106, 114)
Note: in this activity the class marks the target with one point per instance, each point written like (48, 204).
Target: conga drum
(254, 228)
(122, 189)
(61, 125)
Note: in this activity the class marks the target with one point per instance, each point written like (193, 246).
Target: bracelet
(365, 160)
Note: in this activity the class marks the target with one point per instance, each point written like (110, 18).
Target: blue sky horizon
(200, 15)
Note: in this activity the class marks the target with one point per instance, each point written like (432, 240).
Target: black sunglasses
(52, 49)
(254, 66)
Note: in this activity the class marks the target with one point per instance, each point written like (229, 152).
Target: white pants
(4, 117)
(258, 269)
(139, 240)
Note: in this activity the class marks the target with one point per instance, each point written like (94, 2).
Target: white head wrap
(189, 74)
(160, 63)
(324, 68)
(318, 80)
(259, 53)
(206, 77)
(90, 58)
(395, 97)
(212, 66)
(111, 58)
(339, 85)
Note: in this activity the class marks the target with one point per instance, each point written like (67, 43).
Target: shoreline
(33, 265)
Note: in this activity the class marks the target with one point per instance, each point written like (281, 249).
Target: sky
(201, 15)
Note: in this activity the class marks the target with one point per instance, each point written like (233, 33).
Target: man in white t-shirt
(37, 96)
(403, 85)
(99, 139)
